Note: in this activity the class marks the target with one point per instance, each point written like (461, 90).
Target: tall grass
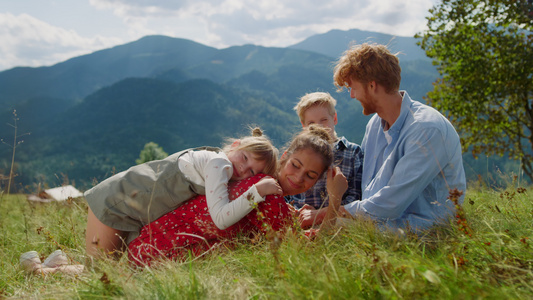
(492, 259)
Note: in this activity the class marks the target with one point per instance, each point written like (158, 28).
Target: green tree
(151, 151)
(483, 52)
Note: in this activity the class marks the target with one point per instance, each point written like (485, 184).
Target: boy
(319, 108)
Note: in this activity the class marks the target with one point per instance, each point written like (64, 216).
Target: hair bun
(257, 131)
(320, 132)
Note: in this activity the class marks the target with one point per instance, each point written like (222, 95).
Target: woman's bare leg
(102, 239)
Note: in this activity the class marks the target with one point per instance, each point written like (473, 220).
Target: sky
(44, 32)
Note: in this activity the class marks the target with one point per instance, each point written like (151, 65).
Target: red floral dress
(190, 227)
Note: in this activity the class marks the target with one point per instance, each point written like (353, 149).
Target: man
(319, 108)
(413, 156)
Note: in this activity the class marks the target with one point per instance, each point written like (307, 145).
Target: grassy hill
(490, 258)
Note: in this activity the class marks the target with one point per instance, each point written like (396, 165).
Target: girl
(190, 229)
(122, 204)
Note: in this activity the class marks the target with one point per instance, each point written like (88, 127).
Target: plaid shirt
(349, 157)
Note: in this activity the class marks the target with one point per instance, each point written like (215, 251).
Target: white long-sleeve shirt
(214, 170)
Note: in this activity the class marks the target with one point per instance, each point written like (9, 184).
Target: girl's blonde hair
(315, 138)
(260, 147)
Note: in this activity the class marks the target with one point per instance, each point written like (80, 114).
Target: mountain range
(88, 117)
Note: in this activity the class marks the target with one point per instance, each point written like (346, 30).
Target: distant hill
(333, 43)
(91, 138)
(418, 73)
(151, 56)
(105, 133)
(80, 76)
(90, 116)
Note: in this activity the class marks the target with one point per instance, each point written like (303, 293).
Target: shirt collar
(405, 110)
(341, 143)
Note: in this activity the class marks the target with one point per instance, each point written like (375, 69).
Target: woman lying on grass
(190, 229)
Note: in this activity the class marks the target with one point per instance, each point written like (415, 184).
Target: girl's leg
(102, 239)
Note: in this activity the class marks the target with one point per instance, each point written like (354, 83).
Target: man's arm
(424, 156)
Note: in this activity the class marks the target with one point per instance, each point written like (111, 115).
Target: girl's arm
(223, 212)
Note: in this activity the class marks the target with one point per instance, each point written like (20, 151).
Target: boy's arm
(337, 185)
(353, 169)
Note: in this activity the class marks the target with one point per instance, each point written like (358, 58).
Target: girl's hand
(268, 186)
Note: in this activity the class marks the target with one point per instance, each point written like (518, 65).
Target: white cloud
(27, 41)
(269, 23)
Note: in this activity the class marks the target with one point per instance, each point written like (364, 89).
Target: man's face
(319, 114)
(360, 92)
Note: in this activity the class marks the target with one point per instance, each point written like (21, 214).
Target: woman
(190, 229)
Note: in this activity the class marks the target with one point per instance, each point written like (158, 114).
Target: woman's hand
(308, 216)
(268, 186)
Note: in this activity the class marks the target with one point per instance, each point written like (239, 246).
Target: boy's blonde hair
(366, 63)
(314, 99)
(260, 147)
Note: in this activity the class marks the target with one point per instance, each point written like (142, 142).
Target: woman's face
(300, 172)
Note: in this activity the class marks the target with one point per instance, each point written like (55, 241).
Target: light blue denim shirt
(406, 181)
